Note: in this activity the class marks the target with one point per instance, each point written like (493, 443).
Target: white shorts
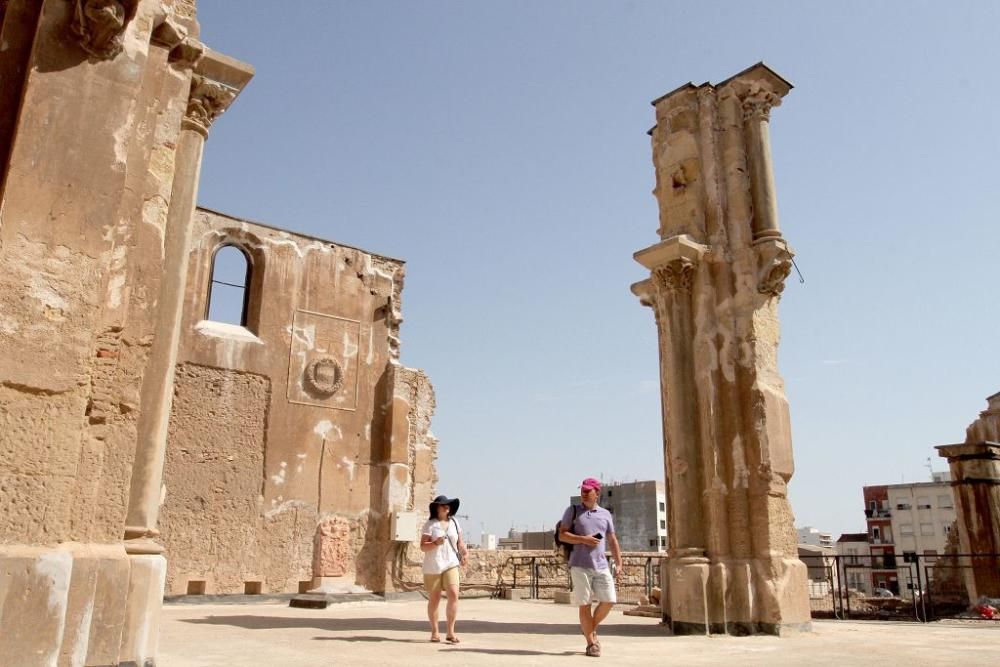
(590, 585)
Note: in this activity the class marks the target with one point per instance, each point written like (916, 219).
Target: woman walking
(444, 551)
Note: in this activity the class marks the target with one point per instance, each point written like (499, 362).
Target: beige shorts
(591, 585)
(434, 583)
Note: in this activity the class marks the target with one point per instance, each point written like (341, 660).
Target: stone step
(323, 600)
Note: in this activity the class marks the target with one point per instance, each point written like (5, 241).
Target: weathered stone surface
(333, 549)
(975, 478)
(105, 354)
(715, 278)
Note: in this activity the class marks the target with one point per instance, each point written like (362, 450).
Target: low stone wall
(487, 571)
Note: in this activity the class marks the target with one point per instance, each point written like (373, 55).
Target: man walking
(588, 527)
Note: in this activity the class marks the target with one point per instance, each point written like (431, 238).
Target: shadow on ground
(447, 649)
(650, 629)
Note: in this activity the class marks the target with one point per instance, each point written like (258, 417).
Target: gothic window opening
(229, 289)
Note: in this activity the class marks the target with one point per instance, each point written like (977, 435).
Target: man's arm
(616, 553)
(572, 538)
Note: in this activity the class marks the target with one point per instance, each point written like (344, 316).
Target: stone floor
(535, 633)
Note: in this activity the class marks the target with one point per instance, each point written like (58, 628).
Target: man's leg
(604, 590)
(587, 623)
(600, 613)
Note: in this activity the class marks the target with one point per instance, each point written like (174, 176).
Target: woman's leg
(433, 600)
(452, 609)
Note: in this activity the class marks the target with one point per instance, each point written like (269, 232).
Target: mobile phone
(598, 536)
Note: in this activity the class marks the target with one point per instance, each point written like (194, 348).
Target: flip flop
(451, 639)
(593, 651)
(435, 639)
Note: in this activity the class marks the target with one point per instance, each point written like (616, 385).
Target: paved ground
(523, 633)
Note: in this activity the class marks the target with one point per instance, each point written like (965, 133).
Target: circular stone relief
(324, 376)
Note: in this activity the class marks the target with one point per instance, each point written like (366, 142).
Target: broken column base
(78, 604)
(331, 590)
(703, 597)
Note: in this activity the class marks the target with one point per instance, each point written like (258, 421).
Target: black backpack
(567, 549)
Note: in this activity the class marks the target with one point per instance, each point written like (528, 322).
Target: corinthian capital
(757, 104)
(98, 25)
(675, 276)
(207, 102)
(774, 263)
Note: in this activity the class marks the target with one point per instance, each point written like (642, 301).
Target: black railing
(907, 586)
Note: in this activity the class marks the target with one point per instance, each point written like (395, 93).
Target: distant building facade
(855, 561)
(814, 537)
(640, 513)
(905, 519)
(878, 516)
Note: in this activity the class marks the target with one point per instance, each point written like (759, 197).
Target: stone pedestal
(975, 478)
(715, 279)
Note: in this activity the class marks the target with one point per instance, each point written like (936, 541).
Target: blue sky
(501, 150)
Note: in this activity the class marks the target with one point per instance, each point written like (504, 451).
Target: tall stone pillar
(715, 279)
(214, 85)
(975, 478)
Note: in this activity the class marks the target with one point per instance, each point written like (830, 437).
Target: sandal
(435, 639)
(593, 650)
(452, 639)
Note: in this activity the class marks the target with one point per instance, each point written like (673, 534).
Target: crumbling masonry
(143, 447)
(715, 279)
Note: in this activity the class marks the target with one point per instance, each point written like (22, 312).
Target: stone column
(715, 275)
(757, 106)
(975, 479)
(208, 99)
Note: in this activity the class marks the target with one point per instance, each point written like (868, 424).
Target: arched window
(229, 290)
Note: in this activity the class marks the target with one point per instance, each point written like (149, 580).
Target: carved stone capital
(207, 102)
(98, 25)
(774, 263)
(676, 276)
(757, 104)
(169, 33)
(187, 53)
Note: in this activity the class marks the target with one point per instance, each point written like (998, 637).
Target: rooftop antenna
(930, 466)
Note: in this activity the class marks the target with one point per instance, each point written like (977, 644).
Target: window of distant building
(663, 507)
(906, 529)
(923, 503)
(229, 289)
(927, 529)
(945, 502)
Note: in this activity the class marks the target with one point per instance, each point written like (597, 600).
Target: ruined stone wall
(323, 475)
(78, 277)
(987, 426)
(91, 124)
(213, 523)
(486, 567)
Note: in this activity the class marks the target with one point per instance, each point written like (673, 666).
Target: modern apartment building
(854, 552)
(640, 512)
(905, 519)
(814, 537)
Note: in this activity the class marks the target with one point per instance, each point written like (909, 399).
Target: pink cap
(590, 483)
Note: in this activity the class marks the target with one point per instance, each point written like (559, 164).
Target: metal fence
(539, 577)
(909, 586)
